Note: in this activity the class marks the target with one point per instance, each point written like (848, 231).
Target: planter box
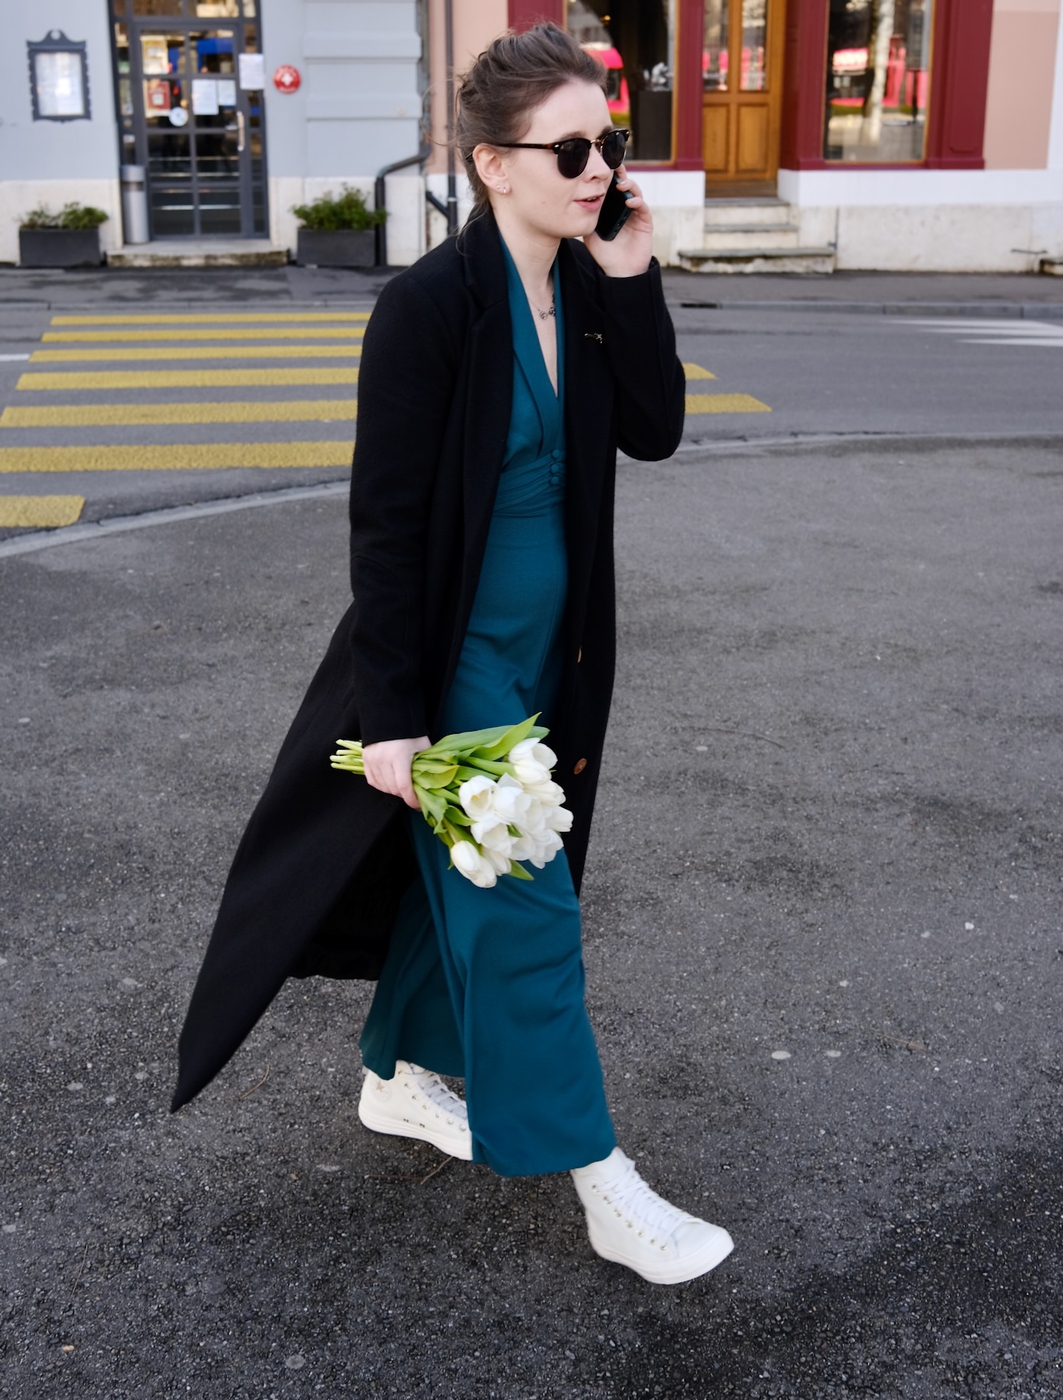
(339, 248)
(59, 247)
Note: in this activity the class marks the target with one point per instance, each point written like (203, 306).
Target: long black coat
(316, 879)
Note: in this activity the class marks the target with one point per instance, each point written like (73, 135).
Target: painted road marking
(259, 333)
(185, 378)
(42, 512)
(197, 352)
(137, 414)
(14, 357)
(697, 372)
(973, 331)
(725, 403)
(191, 456)
(185, 320)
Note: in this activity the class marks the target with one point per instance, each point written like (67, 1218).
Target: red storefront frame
(959, 78)
(690, 19)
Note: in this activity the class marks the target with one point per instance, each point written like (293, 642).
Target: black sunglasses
(574, 153)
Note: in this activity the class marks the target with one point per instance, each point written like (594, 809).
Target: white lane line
(977, 331)
(14, 357)
(77, 534)
(1056, 344)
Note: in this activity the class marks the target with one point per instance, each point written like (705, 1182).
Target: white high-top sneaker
(630, 1224)
(416, 1104)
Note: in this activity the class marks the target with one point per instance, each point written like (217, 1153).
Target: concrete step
(765, 209)
(199, 252)
(750, 236)
(1053, 267)
(757, 259)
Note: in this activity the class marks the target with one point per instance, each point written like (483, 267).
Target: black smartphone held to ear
(614, 213)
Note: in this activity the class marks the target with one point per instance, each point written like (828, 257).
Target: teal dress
(488, 985)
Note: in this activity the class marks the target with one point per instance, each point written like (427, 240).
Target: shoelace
(424, 1082)
(629, 1194)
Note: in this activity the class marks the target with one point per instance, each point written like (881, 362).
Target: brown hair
(513, 76)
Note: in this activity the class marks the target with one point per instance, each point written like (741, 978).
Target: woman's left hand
(629, 253)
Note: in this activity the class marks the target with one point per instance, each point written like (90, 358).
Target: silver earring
(503, 189)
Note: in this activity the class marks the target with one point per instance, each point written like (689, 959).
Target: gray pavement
(824, 952)
(811, 359)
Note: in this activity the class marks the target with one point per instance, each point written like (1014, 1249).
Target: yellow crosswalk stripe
(258, 333)
(197, 352)
(192, 456)
(18, 512)
(696, 372)
(725, 403)
(234, 319)
(98, 415)
(185, 378)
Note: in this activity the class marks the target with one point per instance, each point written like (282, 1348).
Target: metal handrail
(380, 197)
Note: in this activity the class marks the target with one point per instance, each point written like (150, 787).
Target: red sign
(286, 78)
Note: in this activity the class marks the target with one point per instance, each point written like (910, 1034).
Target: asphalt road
(126, 393)
(824, 948)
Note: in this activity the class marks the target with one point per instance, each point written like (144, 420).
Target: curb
(1019, 310)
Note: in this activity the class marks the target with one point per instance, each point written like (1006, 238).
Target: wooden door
(742, 101)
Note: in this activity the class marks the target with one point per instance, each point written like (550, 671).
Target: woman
(499, 374)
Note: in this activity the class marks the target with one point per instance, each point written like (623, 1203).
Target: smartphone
(614, 212)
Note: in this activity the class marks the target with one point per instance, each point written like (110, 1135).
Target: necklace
(545, 315)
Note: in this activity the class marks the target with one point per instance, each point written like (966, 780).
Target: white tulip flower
(472, 865)
(476, 795)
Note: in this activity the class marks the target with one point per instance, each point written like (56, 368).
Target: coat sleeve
(640, 342)
(405, 389)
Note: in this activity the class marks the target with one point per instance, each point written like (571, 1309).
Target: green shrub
(344, 211)
(70, 216)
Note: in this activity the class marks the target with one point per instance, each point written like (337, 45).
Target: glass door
(191, 110)
(742, 92)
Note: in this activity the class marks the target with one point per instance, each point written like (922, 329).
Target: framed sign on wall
(59, 79)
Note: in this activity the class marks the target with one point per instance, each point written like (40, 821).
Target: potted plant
(337, 231)
(70, 238)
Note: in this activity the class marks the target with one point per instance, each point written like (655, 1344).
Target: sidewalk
(989, 294)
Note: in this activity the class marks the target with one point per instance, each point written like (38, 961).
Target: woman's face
(538, 195)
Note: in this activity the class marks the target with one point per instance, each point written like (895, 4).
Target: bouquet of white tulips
(488, 795)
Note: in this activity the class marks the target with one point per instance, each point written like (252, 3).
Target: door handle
(239, 133)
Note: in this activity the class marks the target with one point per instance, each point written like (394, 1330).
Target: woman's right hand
(387, 766)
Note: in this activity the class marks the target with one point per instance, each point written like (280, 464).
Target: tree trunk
(878, 55)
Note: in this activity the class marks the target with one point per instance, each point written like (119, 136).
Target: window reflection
(754, 45)
(172, 9)
(877, 80)
(715, 57)
(635, 41)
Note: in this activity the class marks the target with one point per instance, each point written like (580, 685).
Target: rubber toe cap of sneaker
(701, 1242)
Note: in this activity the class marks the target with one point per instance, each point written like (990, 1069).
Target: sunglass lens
(572, 157)
(613, 148)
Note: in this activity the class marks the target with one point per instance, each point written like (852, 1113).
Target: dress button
(579, 766)
(556, 454)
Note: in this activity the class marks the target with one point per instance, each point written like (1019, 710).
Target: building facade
(891, 134)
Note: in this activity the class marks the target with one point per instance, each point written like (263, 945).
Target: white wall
(55, 162)
(930, 220)
(357, 110)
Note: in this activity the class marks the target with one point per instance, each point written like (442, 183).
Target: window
(878, 71)
(59, 79)
(635, 39)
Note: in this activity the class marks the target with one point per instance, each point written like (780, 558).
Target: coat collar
(484, 265)
(483, 261)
